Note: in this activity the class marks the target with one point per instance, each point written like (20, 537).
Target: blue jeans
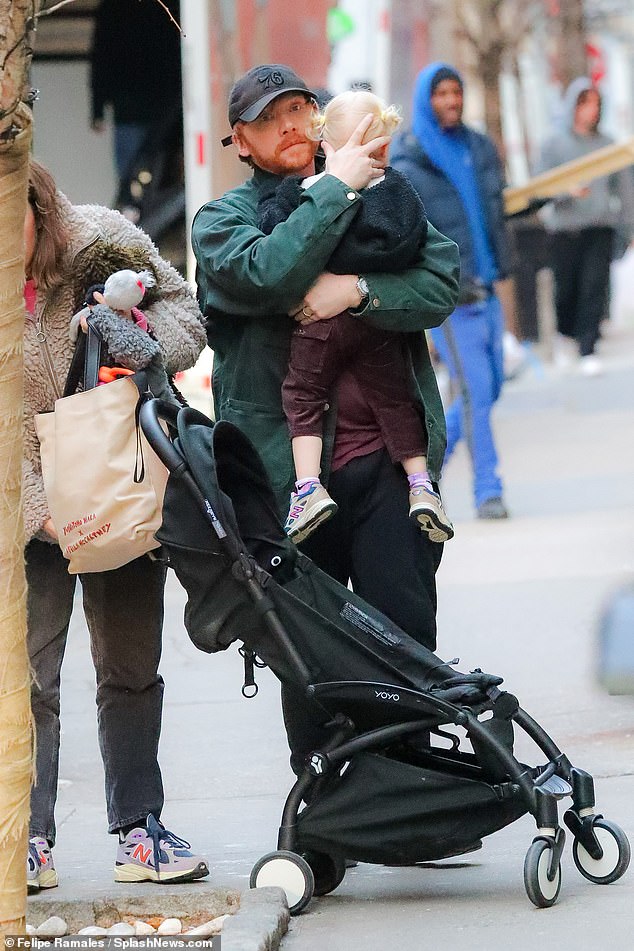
(124, 613)
(128, 139)
(470, 345)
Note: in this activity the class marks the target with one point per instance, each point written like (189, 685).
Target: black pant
(391, 563)
(581, 266)
(532, 244)
(124, 614)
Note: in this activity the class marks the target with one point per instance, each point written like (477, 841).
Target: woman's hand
(330, 295)
(100, 299)
(49, 528)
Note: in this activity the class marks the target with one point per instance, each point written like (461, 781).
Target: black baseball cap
(256, 89)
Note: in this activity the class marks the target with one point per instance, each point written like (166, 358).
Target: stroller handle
(150, 416)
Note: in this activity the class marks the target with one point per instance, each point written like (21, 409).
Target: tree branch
(464, 28)
(49, 10)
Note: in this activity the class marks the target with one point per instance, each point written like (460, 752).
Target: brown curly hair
(51, 233)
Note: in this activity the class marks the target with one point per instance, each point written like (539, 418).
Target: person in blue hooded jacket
(458, 174)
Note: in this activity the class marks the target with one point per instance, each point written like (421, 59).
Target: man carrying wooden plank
(583, 221)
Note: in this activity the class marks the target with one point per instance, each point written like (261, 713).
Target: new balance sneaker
(40, 870)
(309, 509)
(152, 854)
(425, 506)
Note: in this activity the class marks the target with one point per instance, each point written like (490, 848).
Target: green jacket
(248, 281)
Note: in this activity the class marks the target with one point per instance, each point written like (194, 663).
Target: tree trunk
(479, 25)
(571, 46)
(15, 712)
(490, 54)
(490, 68)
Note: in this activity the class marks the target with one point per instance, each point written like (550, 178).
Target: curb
(259, 917)
(261, 922)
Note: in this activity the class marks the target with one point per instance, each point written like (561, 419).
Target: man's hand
(579, 191)
(352, 163)
(330, 295)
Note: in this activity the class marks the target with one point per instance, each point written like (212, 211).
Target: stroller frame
(601, 850)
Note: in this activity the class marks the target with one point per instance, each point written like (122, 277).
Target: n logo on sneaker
(143, 855)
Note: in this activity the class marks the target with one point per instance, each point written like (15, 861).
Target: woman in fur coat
(68, 249)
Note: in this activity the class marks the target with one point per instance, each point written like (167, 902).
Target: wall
(80, 159)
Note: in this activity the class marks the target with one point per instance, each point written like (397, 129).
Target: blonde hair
(344, 112)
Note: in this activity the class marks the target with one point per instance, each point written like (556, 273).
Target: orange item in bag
(110, 374)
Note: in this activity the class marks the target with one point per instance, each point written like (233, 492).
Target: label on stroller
(369, 625)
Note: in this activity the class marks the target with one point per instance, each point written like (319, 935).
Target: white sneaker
(565, 352)
(590, 365)
(515, 357)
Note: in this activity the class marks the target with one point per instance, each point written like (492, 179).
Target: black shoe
(493, 508)
(449, 854)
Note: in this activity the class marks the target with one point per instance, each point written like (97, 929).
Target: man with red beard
(251, 289)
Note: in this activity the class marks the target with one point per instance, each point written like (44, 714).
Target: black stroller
(419, 762)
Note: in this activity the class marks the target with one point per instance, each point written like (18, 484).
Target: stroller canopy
(233, 524)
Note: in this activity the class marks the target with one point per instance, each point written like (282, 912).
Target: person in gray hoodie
(583, 223)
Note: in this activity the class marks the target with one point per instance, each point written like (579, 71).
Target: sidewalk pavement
(568, 460)
(523, 598)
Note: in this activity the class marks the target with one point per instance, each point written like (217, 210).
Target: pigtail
(315, 130)
(391, 119)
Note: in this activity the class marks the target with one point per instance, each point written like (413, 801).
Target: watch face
(362, 284)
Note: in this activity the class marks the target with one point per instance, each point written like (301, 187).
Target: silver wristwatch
(364, 290)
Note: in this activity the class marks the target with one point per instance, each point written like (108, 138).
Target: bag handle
(85, 368)
(86, 361)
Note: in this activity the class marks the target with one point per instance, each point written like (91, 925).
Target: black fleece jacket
(386, 235)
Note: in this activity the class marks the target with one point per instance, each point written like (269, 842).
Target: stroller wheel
(329, 872)
(616, 854)
(287, 871)
(540, 889)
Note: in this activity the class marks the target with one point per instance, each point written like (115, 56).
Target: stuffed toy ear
(148, 279)
(73, 327)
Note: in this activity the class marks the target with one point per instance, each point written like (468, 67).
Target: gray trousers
(124, 614)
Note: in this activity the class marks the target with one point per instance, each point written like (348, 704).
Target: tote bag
(104, 484)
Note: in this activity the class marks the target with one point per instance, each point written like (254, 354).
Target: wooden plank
(581, 171)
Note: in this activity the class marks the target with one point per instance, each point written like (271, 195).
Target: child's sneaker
(152, 854)
(309, 508)
(425, 506)
(40, 870)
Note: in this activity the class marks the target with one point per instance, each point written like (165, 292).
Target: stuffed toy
(128, 339)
